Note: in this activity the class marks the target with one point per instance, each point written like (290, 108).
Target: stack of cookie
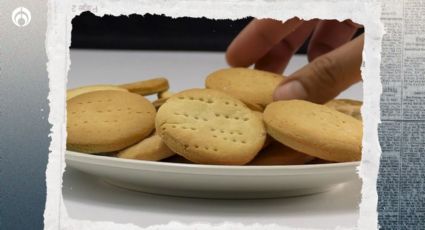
(233, 121)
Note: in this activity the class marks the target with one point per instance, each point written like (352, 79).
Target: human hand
(334, 59)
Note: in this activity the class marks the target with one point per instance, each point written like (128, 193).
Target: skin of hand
(334, 59)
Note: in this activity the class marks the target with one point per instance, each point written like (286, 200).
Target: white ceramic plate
(214, 181)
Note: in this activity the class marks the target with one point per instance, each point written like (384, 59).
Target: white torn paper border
(60, 14)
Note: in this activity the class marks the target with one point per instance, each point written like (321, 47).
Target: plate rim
(184, 168)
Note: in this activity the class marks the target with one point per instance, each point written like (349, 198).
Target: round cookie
(269, 139)
(149, 149)
(147, 87)
(162, 98)
(255, 107)
(347, 106)
(71, 93)
(254, 87)
(210, 127)
(314, 129)
(159, 102)
(278, 154)
(106, 121)
(165, 94)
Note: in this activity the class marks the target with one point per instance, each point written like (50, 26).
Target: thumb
(324, 78)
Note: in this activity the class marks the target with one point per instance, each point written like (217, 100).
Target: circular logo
(21, 17)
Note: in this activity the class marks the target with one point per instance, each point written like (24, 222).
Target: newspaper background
(401, 180)
(366, 12)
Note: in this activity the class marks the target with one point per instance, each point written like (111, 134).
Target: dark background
(156, 32)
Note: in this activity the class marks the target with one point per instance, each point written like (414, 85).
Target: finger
(278, 57)
(325, 77)
(329, 35)
(257, 38)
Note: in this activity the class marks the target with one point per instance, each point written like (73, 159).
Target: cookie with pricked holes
(71, 93)
(210, 127)
(347, 106)
(107, 121)
(314, 129)
(150, 149)
(255, 87)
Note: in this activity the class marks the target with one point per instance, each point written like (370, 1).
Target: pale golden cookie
(165, 94)
(314, 129)
(255, 107)
(347, 106)
(258, 114)
(269, 139)
(150, 149)
(71, 93)
(147, 87)
(159, 102)
(106, 121)
(210, 127)
(248, 85)
(162, 98)
(278, 154)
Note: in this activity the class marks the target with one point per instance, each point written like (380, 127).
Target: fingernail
(291, 90)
